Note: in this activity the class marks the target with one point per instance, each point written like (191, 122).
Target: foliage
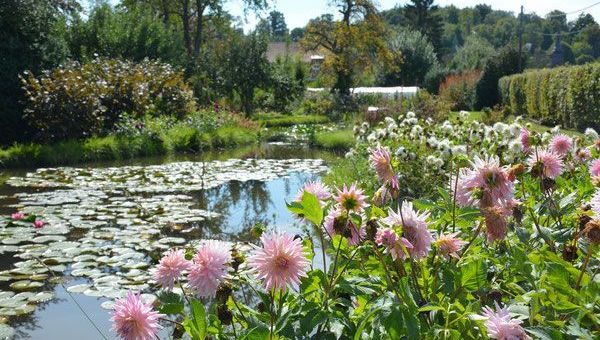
(246, 68)
(566, 95)
(130, 33)
(415, 58)
(333, 140)
(505, 62)
(78, 100)
(426, 105)
(293, 120)
(139, 136)
(459, 90)
(352, 44)
(33, 38)
(473, 55)
(423, 16)
(374, 284)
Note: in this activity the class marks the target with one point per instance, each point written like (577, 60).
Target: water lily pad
(6, 332)
(41, 297)
(25, 285)
(78, 288)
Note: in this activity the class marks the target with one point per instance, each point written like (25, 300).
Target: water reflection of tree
(239, 206)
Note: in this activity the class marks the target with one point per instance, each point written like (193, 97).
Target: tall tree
(351, 44)
(278, 26)
(423, 16)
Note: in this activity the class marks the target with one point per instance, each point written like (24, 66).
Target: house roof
(282, 49)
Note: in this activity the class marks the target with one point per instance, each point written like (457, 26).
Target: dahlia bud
(569, 253)
(592, 231)
(516, 170)
(596, 181)
(371, 229)
(237, 259)
(518, 214)
(548, 184)
(224, 314)
(223, 292)
(583, 220)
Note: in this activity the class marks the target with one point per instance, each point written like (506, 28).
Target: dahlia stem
(583, 268)
(454, 199)
(271, 312)
(238, 307)
(337, 253)
(322, 239)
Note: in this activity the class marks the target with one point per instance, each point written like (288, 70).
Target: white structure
(396, 91)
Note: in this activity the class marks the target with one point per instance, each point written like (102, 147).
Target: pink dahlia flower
(525, 142)
(496, 222)
(39, 224)
(344, 226)
(485, 180)
(595, 203)
(546, 163)
(561, 145)
(170, 267)
(414, 229)
(396, 246)
(595, 168)
(351, 198)
(449, 245)
(381, 161)
(583, 155)
(134, 320)
(17, 216)
(500, 325)
(318, 189)
(280, 262)
(209, 268)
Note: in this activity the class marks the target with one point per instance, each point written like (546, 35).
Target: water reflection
(233, 208)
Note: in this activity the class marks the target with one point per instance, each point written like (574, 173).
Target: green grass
(334, 140)
(179, 138)
(270, 120)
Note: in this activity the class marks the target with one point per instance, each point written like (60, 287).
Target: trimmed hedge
(569, 96)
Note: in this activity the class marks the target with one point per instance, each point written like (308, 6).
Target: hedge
(569, 96)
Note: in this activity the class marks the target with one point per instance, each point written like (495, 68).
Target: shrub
(78, 100)
(504, 63)
(459, 90)
(566, 95)
(426, 105)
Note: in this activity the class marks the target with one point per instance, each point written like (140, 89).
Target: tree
(33, 35)
(246, 68)
(192, 16)
(416, 56)
(423, 16)
(351, 44)
(278, 26)
(297, 34)
(505, 62)
(556, 21)
(481, 12)
(473, 54)
(583, 21)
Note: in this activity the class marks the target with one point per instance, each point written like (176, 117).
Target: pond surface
(108, 223)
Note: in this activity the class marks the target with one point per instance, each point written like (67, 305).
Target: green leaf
(196, 326)
(473, 275)
(170, 303)
(312, 208)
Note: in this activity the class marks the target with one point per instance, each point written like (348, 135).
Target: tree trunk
(165, 10)
(186, 27)
(199, 27)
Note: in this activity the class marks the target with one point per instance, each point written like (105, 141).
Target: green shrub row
(294, 120)
(568, 95)
(114, 147)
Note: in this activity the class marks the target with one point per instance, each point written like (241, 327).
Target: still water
(109, 222)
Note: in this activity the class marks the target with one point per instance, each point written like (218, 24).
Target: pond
(107, 223)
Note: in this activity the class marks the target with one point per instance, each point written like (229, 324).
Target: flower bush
(78, 100)
(507, 249)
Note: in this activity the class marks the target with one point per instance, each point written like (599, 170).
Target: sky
(298, 12)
